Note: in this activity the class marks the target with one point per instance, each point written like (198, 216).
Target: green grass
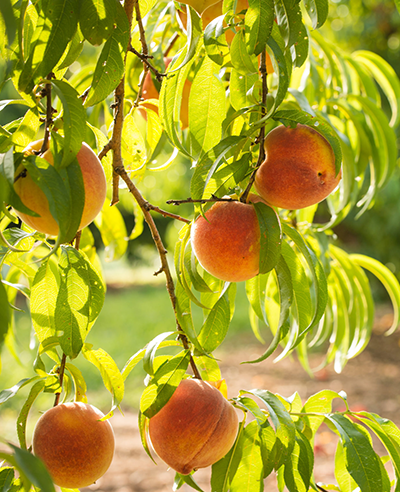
(130, 318)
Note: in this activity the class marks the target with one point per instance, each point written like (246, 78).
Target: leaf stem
(60, 378)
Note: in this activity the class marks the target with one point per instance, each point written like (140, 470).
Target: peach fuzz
(227, 241)
(33, 197)
(76, 447)
(196, 428)
(299, 168)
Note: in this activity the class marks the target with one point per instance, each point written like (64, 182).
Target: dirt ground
(371, 382)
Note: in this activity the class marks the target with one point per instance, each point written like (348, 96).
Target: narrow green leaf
(289, 19)
(74, 120)
(206, 108)
(79, 300)
(6, 478)
(239, 87)
(241, 60)
(56, 27)
(36, 389)
(318, 11)
(151, 350)
(9, 393)
(113, 232)
(110, 64)
(298, 470)
(164, 383)
(96, 20)
(143, 428)
(5, 313)
(270, 236)
(215, 326)
(249, 474)
(258, 23)
(283, 423)
(109, 371)
(360, 459)
(10, 23)
(188, 479)
(388, 280)
(79, 382)
(316, 406)
(33, 468)
(215, 41)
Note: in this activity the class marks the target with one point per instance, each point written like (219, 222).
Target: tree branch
(204, 200)
(261, 137)
(49, 115)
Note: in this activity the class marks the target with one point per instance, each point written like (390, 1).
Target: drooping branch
(119, 172)
(261, 136)
(213, 199)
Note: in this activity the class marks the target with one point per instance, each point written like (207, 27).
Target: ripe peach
(33, 197)
(76, 447)
(150, 92)
(227, 242)
(196, 428)
(299, 168)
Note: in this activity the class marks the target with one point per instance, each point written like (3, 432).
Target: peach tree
(235, 71)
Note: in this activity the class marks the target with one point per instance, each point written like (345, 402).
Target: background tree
(80, 71)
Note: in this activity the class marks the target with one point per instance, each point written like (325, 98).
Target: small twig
(320, 488)
(145, 60)
(84, 95)
(60, 378)
(204, 200)
(49, 115)
(164, 213)
(261, 137)
(171, 44)
(78, 239)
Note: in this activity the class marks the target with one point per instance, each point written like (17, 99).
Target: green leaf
(241, 60)
(388, 280)
(5, 313)
(79, 382)
(316, 406)
(6, 478)
(113, 232)
(96, 20)
(318, 11)
(270, 236)
(36, 389)
(109, 371)
(289, 20)
(164, 383)
(64, 191)
(56, 27)
(143, 428)
(239, 87)
(283, 423)
(386, 78)
(206, 108)
(110, 64)
(317, 273)
(33, 469)
(188, 479)
(10, 23)
(151, 350)
(79, 300)
(216, 325)
(249, 474)
(215, 41)
(360, 459)
(74, 120)
(318, 124)
(9, 393)
(258, 22)
(298, 470)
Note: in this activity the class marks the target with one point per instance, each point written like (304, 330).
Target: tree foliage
(310, 293)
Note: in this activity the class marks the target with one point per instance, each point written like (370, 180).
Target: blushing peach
(227, 241)
(76, 447)
(33, 197)
(299, 168)
(196, 428)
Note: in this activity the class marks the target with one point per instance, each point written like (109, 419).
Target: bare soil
(371, 382)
